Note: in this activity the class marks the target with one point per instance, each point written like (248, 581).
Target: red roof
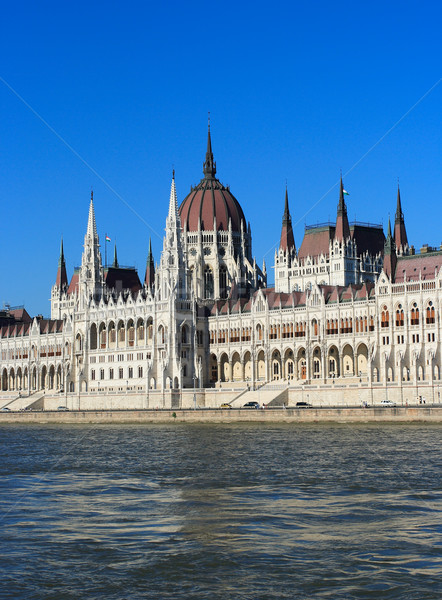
(210, 200)
(417, 266)
(316, 241)
(73, 286)
(368, 238)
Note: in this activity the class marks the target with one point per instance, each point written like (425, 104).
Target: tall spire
(172, 272)
(209, 167)
(342, 231)
(287, 241)
(62, 279)
(390, 257)
(173, 202)
(400, 233)
(149, 277)
(115, 263)
(91, 224)
(91, 271)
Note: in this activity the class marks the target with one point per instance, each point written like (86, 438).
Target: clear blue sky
(296, 91)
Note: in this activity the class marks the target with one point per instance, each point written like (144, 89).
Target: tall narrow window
(223, 282)
(208, 283)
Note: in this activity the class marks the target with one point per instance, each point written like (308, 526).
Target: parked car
(225, 405)
(387, 403)
(5, 409)
(251, 404)
(62, 408)
(303, 405)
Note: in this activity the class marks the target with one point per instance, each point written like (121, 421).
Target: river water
(238, 511)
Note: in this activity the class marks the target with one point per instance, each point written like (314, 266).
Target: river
(238, 511)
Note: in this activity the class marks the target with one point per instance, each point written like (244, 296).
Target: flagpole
(105, 249)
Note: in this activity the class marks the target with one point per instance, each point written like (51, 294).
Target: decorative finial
(92, 194)
(173, 171)
(209, 119)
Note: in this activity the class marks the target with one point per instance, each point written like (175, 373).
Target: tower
(342, 231)
(59, 289)
(149, 278)
(390, 257)
(400, 233)
(217, 240)
(286, 254)
(172, 271)
(91, 276)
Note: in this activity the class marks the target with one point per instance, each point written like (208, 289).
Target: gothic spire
(209, 167)
(390, 257)
(91, 275)
(149, 277)
(91, 224)
(115, 263)
(342, 231)
(61, 280)
(173, 202)
(399, 214)
(400, 233)
(287, 241)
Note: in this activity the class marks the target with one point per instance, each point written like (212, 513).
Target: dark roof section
(369, 238)
(122, 278)
(16, 322)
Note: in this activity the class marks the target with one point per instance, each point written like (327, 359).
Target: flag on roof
(107, 238)
(345, 193)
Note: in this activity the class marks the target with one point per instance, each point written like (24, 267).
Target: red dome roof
(210, 200)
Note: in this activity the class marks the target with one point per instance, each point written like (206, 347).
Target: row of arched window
(105, 336)
(430, 316)
(236, 334)
(21, 353)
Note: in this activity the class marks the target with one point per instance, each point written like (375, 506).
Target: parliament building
(349, 306)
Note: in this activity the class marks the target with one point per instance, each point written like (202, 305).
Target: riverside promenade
(399, 414)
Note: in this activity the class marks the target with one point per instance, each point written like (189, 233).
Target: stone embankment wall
(354, 394)
(430, 414)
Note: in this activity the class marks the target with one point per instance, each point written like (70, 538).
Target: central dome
(210, 200)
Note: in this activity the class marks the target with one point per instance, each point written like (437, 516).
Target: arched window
(93, 337)
(78, 343)
(414, 315)
(208, 282)
(223, 282)
(430, 313)
(315, 327)
(400, 316)
(112, 334)
(131, 333)
(121, 332)
(385, 317)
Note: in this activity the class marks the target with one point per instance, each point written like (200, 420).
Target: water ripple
(231, 512)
